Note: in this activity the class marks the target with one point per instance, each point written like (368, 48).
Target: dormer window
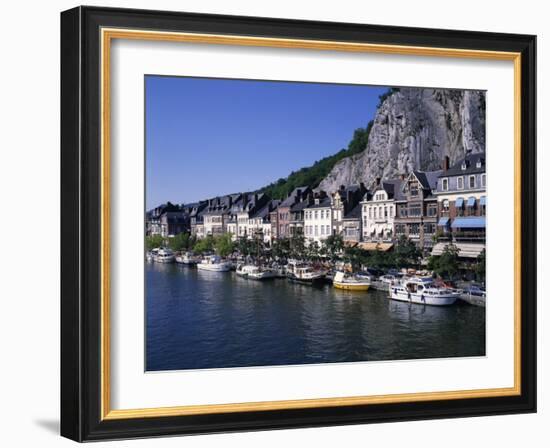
(445, 184)
(478, 164)
(464, 166)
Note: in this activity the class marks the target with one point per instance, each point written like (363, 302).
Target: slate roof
(354, 213)
(323, 203)
(291, 199)
(471, 166)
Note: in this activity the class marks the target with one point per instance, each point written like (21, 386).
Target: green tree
(333, 246)
(154, 241)
(313, 251)
(297, 246)
(406, 254)
(447, 265)
(281, 248)
(223, 245)
(356, 257)
(181, 241)
(245, 246)
(204, 245)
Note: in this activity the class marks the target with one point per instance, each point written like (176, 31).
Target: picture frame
(86, 207)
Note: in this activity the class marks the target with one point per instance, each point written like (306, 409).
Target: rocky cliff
(414, 129)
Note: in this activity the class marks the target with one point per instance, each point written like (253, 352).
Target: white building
(318, 220)
(378, 212)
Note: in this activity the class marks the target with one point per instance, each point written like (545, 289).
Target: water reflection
(201, 319)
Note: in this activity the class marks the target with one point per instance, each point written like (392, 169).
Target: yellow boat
(350, 283)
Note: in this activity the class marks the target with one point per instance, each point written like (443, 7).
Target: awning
(466, 250)
(376, 246)
(483, 200)
(443, 221)
(469, 222)
(459, 202)
(471, 201)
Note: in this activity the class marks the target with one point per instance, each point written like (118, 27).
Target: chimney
(402, 177)
(378, 180)
(445, 166)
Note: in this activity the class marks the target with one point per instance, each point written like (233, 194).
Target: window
(415, 210)
(429, 228)
(316, 230)
(375, 212)
(414, 189)
(322, 230)
(445, 184)
(370, 212)
(446, 205)
(432, 210)
(472, 182)
(316, 214)
(483, 180)
(460, 183)
(415, 229)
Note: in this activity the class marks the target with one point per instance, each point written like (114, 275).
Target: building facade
(378, 211)
(343, 201)
(284, 215)
(416, 208)
(318, 218)
(462, 206)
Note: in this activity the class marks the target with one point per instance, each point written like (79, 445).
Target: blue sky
(207, 137)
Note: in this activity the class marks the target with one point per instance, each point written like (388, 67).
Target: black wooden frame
(80, 223)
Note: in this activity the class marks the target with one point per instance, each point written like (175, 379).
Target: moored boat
(164, 255)
(350, 282)
(423, 291)
(188, 258)
(254, 272)
(214, 263)
(302, 273)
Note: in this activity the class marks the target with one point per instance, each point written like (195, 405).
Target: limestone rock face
(413, 130)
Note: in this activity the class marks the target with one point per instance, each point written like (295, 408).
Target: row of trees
(221, 244)
(405, 253)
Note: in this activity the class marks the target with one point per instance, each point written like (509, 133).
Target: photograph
(293, 223)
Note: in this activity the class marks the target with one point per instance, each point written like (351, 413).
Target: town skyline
(289, 120)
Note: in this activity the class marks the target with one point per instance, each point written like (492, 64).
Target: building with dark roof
(462, 205)
(284, 216)
(416, 208)
(352, 224)
(343, 201)
(378, 211)
(318, 218)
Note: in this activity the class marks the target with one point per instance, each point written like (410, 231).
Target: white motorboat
(423, 291)
(303, 273)
(188, 258)
(164, 255)
(214, 263)
(254, 272)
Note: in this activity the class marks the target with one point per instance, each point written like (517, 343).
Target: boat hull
(351, 286)
(165, 260)
(423, 299)
(306, 281)
(213, 268)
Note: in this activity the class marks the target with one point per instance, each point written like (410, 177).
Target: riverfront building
(378, 211)
(318, 218)
(284, 218)
(416, 208)
(343, 201)
(462, 206)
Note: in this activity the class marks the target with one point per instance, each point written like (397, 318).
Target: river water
(198, 319)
